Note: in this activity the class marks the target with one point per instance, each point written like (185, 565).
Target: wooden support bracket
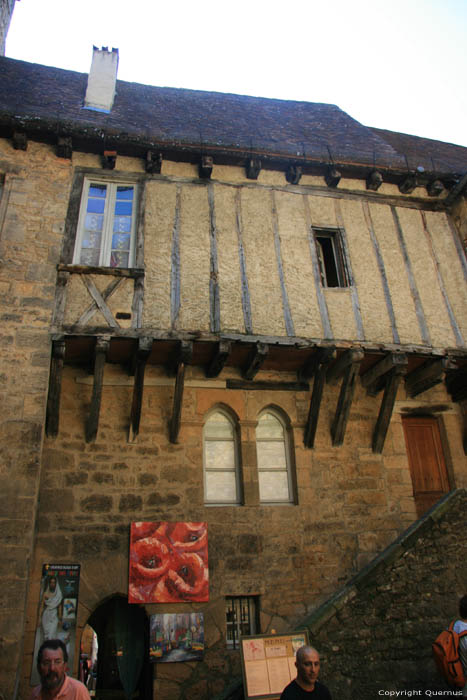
(347, 358)
(142, 356)
(221, 356)
(153, 162)
(317, 365)
(393, 379)
(255, 361)
(332, 177)
(374, 180)
(100, 352)
(346, 395)
(253, 168)
(428, 375)
(374, 379)
(293, 174)
(109, 159)
(205, 167)
(456, 384)
(55, 385)
(408, 184)
(320, 356)
(64, 147)
(20, 141)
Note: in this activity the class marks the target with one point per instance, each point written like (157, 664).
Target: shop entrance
(426, 460)
(122, 670)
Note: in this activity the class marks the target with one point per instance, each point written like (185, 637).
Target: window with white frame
(106, 226)
(331, 258)
(221, 463)
(273, 457)
(242, 618)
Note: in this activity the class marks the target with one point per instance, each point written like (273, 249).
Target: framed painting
(176, 637)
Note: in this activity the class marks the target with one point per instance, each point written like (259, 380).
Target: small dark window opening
(331, 259)
(242, 618)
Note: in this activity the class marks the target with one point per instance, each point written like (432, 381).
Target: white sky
(394, 64)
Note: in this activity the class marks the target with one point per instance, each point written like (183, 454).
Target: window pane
(269, 427)
(125, 192)
(93, 222)
(271, 455)
(221, 487)
(123, 208)
(273, 486)
(220, 455)
(90, 256)
(218, 425)
(91, 240)
(121, 241)
(122, 224)
(118, 259)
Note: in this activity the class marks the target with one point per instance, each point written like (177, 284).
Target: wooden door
(426, 460)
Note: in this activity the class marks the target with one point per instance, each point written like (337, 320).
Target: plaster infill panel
(341, 313)
(322, 211)
(401, 296)
(261, 263)
(450, 267)
(426, 279)
(366, 273)
(159, 218)
(297, 264)
(194, 258)
(228, 260)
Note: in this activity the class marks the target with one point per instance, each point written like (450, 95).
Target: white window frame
(235, 439)
(107, 230)
(338, 261)
(288, 461)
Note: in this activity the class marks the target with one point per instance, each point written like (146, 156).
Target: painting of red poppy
(168, 562)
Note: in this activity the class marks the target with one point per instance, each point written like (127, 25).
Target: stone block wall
(375, 635)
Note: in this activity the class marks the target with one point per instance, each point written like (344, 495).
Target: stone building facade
(288, 273)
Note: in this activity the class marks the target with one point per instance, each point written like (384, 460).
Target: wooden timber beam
(55, 385)
(245, 385)
(428, 375)
(224, 348)
(347, 366)
(374, 379)
(456, 384)
(255, 360)
(317, 367)
(141, 358)
(92, 422)
(185, 354)
(393, 379)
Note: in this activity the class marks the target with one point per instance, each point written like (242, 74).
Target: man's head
(463, 607)
(52, 660)
(308, 664)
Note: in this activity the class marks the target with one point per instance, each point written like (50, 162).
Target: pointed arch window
(274, 461)
(221, 463)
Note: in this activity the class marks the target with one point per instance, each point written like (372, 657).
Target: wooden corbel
(428, 375)
(153, 163)
(316, 366)
(374, 180)
(255, 361)
(64, 147)
(55, 386)
(109, 160)
(293, 174)
(253, 168)
(374, 379)
(408, 184)
(435, 188)
(184, 357)
(20, 140)
(92, 422)
(222, 354)
(347, 367)
(332, 176)
(141, 357)
(205, 167)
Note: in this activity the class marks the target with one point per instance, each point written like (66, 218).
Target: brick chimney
(102, 78)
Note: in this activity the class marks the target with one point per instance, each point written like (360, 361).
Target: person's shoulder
(288, 691)
(324, 693)
(35, 692)
(80, 692)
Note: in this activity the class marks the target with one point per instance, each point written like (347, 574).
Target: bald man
(306, 684)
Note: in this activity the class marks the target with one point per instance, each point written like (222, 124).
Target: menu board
(268, 663)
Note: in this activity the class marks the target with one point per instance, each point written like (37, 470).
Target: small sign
(268, 663)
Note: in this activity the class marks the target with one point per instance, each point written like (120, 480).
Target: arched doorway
(123, 669)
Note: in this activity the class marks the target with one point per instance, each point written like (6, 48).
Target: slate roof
(34, 94)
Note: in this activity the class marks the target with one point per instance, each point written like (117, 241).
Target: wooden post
(387, 405)
(55, 385)
(224, 348)
(92, 423)
(177, 403)
(255, 360)
(347, 365)
(142, 356)
(317, 366)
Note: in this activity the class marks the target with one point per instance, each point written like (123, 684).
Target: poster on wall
(176, 637)
(268, 663)
(58, 607)
(168, 562)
